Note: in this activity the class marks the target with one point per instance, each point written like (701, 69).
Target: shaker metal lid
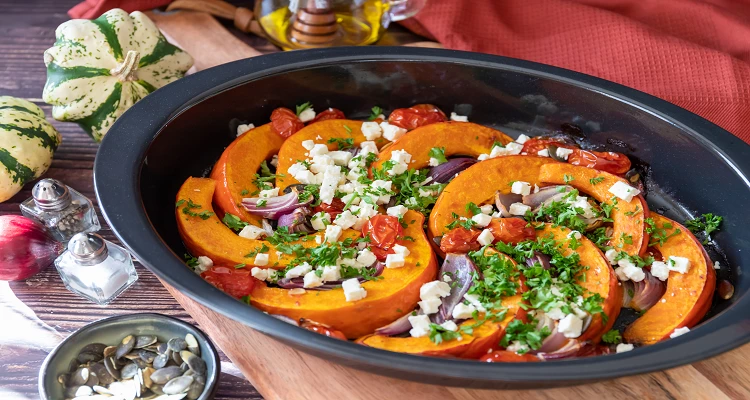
(51, 195)
(88, 248)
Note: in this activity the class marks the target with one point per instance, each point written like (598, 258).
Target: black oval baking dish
(181, 129)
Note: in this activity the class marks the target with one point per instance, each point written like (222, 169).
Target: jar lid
(51, 195)
(88, 248)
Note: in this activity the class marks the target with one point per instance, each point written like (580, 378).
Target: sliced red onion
(535, 200)
(444, 172)
(461, 270)
(267, 227)
(628, 291)
(555, 341)
(296, 221)
(647, 292)
(294, 283)
(396, 327)
(274, 207)
(286, 319)
(504, 200)
(568, 350)
(540, 258)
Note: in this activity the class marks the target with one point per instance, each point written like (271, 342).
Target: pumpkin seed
(102, 390)
(79, 377)
(177, 385)
(87, 357)
(105, 378)
(93, 379)
(147, 356)
(176, 358)
(164, 375)
(157, 389)
(192, 344)
(201, 379)
(145, 340)
(71, 391)
(147, 382)
(161, 361)
(84, 391)
(96, 348)
(109, 363)
(63, 379)
(73, 366)
(162, 348)
(125, 346)
(177, 344)
(140, 363)
(195, 390)
(109, 351)
(128, 371)
(194, 362)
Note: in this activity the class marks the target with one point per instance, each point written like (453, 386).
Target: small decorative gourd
(27, 142)
(99, 68)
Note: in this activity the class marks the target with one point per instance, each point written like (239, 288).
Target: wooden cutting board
(280, 372)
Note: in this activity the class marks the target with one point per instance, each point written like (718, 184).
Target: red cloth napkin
(693, 53)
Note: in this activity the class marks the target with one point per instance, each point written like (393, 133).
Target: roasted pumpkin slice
(629, 218)
(688, 296)
(211, 238)
(331, 132)
(599, 278)
(478, 184)
(483, 338)
(457, 138)
(386, 300)
(235, 171)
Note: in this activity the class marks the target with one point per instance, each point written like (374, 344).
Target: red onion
(569, 350)
(540, 258)
(504, 200)
(535, 200)
(296, 221)
(25, 248)
(647, 292)
(444, 172)
(274, 207)
(267, 227)
(461, 270)
(294, 283)
(396, 327)
(628, 291)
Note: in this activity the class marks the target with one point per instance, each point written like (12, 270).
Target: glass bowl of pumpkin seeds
(131, 357)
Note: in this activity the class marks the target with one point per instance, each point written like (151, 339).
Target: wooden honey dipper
(315, 25)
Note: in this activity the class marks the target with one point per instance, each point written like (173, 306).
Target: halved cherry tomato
(285, 122)
(534, 145)
(334, 209)
(322, 329)
(460, 240)
(511, 230)
(508, 356)
(416, 116)
(383, 230)
(614, 163)
(331, 113)
(235, 282)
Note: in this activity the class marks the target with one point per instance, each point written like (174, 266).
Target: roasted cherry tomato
(334, 209)
(460, 240)
(285, 122)
(331, 113)
(235, 282)
(416, 116)
(614, 163)
(383, 230)
(511, 230)
(588, 350)
(322, 329)
(508, 356)
(534, 145)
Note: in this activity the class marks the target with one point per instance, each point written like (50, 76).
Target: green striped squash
(27, 142)
(99, 68)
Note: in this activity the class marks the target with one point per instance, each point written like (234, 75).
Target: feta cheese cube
(391, 132)
(318, 150)
(366, 257)
(264, 194)
(399, 249)
(563, 153)
(425, 193)
(522, 139)
(543, 153)
(679, 332)
(204, 264)
(401, 156)
(296, 168)
(481, 220)
(486, 237)
(259, 273)
(474, 300)
(621, 275)
(330, 181)
(312, 280)
(487, 209)
(299, 270)
(242, 128)
(575, 234)
(519, 209)
(367, 148)
(420, 325)
(459, 118)
(261, 259)
(678, 264)
(381, 184)
(520, 187)
(307, 115)
(305, 177)
(333, 232)
(364, 213)
(623, 347)
(660, 270)
(371, 130)
(517, 347)
(331, 273)
(510, 149)
(623, 191)
(308, 144)
(252, 232)
(431, 305)
(570, 326)
(352, 290)
(611, 255)
(555, 313)
(394, 261)
(449, 326)
(629, 270)
(498, 151)
(463, 311)
(483, 157)
(397, 211)
(345, 220)
(320, 220)
(434, 162)
(319, 163)
(717, 265)
(434, 289)
(340, 157)
(583, 203)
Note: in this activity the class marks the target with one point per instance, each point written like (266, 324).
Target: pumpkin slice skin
(478, 184)
(236, 169)
(319, 132)
(688, 296)
(387, 298)
(483, 339)
(458, 138)
(211, 238)
(628, 217)
(600, 278)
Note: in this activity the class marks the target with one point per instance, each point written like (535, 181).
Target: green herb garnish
(438, 153)
(303, 107)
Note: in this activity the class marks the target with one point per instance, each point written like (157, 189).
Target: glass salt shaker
(95, 268)
(62, 210)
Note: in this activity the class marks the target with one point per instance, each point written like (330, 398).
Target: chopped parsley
(612, 337)
(239, 266)
(526, 334)
(473, 209)
(660, 235)
(457, 221)
(282, 235)
(191, 261)
(343, 143)
(190, 206)
(438, 153)
(597, 180)
(262, 180)
(634, 212)
(706, 224)
(262, 249)
(261, 203)
(303, 107)
(245, 299)
(568, 178)
(234, 222)
(438, 334)
(376, 112)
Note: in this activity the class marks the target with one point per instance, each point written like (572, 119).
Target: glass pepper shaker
(95, 268)
(62, 210)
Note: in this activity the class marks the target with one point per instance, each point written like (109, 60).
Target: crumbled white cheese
(679, 332)
(487, 209)
(430, 306)
(519, 209)
(333, 232)
(340, 157)
(570, 326)
(483, 157)
(555, 313)
(575, 234)
(242, 128)
(308, 144)
(252, 232)
(434, 162)
(312, 280)
(463, 311)
(307, 115)
(630, 270)
(299, 270)
(397, 211)
(305, 177)
(659, 270)
(320, 220)
(543, 153)
(399, 249)
(371, 130)
(353, 291)
(563, 153)
(381, 184)
(366, 257)
(203, 264)
(296, 168)
(331, 273)
(459, 118)
(520, 187)
(623, 347)
(259, 273)
(678, 264)
(522, 139)
(392, 132)
(623, 191)
(517, 347)
(264, 194)
(449, 326)
(474, 300)
(611, 255)
(481, 220)
(318, 150)
(394, 261)
(331, 178)
(319, 163)
(420, 325)
(486, 237)
(261, 259)
(434, 289)
(717, 265)
(345, 220)
(510, 149)
(367, 148)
